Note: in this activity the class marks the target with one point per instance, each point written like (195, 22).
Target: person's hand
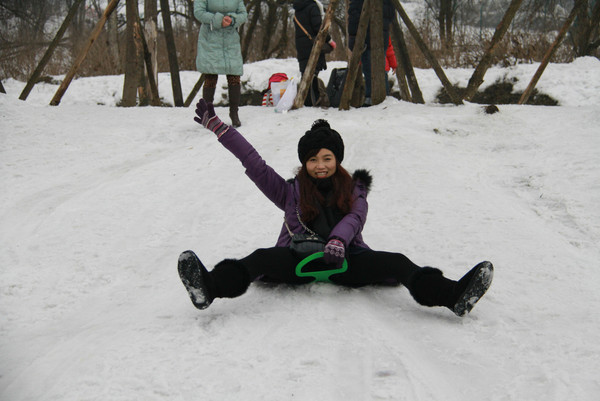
(333, 44)
(334, 252)
(207, 117)
(226, 21)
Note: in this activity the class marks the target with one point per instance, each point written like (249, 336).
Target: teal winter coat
(219, 49)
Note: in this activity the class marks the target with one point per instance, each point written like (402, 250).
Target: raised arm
(266, 179)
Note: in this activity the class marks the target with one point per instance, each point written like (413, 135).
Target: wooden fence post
(194, 91)
(477, 78)
(154, 97)
(93, 36)
(536, 77)
(427, 53)
(172, 53)
(314, 56)
(48, 55)
(415, 94)
(378, 93)
(353, 65)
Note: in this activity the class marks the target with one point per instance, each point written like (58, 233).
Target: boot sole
(481, 281)
(191, 273)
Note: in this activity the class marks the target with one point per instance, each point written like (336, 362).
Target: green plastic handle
(322, 275)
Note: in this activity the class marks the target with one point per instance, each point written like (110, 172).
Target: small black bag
(305, 244)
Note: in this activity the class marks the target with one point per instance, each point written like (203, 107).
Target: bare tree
(134, 53)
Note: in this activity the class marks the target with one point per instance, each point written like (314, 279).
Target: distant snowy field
(97, 202)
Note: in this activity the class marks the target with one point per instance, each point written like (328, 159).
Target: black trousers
(365, 267)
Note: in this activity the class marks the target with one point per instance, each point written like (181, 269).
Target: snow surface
(97, 203)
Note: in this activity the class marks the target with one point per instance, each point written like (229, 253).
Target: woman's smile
(322, 165)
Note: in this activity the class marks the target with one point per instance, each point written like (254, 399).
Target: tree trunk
(151, 34)
(477, 78)
(112, 40)
(314, 56)
(354, 63)
(151, 89)
(48, 55)
(378, 93)
(427, 53)
(133, 61)
(93, 36)
(271, 24)
(172, 53)
(250, 27)
(586, 29)
(536, 77)
(445, 17)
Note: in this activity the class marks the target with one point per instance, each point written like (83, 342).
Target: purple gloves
(208, 118)
(334, 252)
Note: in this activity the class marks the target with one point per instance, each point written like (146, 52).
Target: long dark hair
(310, 196)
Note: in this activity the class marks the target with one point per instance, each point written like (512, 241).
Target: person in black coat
(354, 11)
(309, 15)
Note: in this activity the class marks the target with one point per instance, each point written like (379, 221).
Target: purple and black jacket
(286, 196)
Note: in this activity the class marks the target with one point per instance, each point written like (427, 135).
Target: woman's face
(322, 165)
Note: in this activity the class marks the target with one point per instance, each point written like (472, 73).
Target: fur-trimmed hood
(365, 177)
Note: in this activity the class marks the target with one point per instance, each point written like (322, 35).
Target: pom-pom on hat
(321, 136)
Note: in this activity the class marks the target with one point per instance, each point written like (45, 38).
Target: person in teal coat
(219, 49)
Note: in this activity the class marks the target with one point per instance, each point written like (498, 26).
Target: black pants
(365, 267)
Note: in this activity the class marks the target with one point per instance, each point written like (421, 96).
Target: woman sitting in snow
(323, 200)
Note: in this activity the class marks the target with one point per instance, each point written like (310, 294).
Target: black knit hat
(321, 136)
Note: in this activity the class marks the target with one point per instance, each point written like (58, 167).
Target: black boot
(208, 94)
(231, 278)
(430, 288)
(196, 280)
(472, 286)
(235, 93)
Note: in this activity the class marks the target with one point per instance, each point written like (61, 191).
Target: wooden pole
(154, 98)
(400, 72)
(134, 79)
(314, 56)
(48, 55)
(93, 36)
(172, 53)
(454, 97)
(477, 78)
(353, 65)
(377, 53)
(151, 34)
(404, 59)
(536, 77)
(194, 91)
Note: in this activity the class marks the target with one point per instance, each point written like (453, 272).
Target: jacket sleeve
(353, 223)
(240, 16)
(202, 14)
(266, 179)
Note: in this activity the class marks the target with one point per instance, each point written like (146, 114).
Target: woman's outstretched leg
(427, 285)
(430, 288)
(231, 278)
(228, 279)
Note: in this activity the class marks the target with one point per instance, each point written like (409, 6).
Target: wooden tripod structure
(139, 39)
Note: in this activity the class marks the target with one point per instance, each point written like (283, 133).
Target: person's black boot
(230, 278)
(235, 95)
(471, 287)
(196, 279)
(429, 287)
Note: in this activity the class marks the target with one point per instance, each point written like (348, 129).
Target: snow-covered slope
(97, 202)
